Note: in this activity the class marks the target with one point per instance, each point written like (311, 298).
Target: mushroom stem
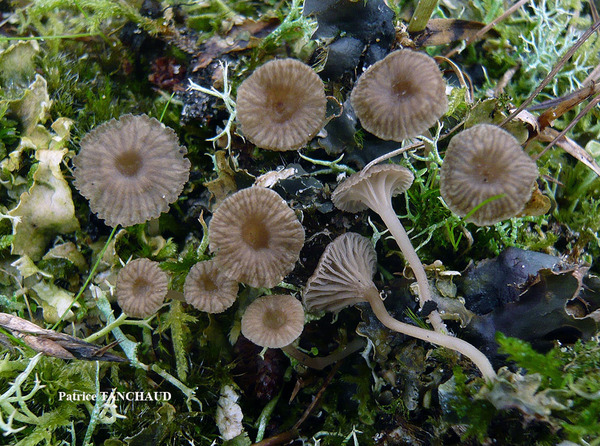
(392, 222)
(479, 359)
(320, 363)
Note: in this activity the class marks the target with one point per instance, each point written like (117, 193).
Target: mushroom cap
(141, 288)
(400, 96)
(208, 289)
(257, 237)
(482, 162)
(372, 188)
(130, 169)
(273, 321)
(281, 106)
(344, 272)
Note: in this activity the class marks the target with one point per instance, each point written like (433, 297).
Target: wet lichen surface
(518, 290)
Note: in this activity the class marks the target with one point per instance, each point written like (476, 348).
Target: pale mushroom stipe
(373, 189)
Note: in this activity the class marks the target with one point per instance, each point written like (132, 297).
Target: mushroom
(400, 96)
(141, 288)
(485, 166)
(278, 320)
(273, 321)
(374, 189)
(130, 169)
(257, 237)
(208, 289)
(281, 106)
(344, 276)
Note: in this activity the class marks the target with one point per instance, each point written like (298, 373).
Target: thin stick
(581, 114)
(420, 17)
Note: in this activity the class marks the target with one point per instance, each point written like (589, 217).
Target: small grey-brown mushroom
(344, 276)
(257, 237)
(130, 169)
(141, 288)
(273, 321)
(485, 162)
(400, 96)
(281, 106)
(208, 289)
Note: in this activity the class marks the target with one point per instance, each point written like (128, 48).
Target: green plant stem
(121, 320)
(264, 418)
(130, 349)
(96, 411)
(423, 11)
(444, 340)
(89, 277)
(66, 36)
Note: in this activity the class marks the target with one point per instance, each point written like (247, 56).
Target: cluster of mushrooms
(132, 168)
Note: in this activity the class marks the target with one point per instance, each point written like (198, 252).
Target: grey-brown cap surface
(208, 289)
(257, 237)
(141, 288)
(400, 96)
(130, 169)
(373, 188)
(486, 162)
(281, 106)
(273, 321)
(343, 274)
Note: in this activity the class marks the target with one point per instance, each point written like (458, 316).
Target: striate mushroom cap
(257, 237)
(281, 106)
(208, 289)
(345, 271)
(400, 96)
(373, 188)
(273, 321)
(482, 162)
(130, 169)
(141, 288)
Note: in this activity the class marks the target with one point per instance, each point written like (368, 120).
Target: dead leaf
(444, 31)
(52, 343)
(240, 37)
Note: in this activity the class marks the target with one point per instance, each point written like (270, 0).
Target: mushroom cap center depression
(207, 284)
(283, 104)
(484, 171)
(274, 319)
(256, 234)
(141, 287)
(402, 88)
(129, 163)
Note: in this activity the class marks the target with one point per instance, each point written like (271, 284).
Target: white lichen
(229, 414)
